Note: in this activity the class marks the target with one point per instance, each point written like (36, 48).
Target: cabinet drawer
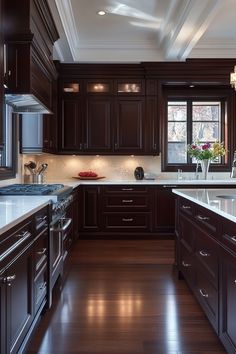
(207, 254)
(40, 251)
(207, 295)
(126, 202)
(186, 232)
(206, 219)
(127, 221)
(41, 220)
(129, 189)
(12, 242)
(186, 264)
(40, 287)
(228, 235)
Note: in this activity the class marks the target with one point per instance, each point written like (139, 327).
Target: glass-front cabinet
(129, 87)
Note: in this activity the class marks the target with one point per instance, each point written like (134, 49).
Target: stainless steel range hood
(26, 104)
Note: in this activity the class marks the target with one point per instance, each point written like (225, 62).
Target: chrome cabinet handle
(127, 189)
(186, 265)
(233, 238)
(169, 186)
(204, 253)
(127, 201)
(186, 207)
(203, 293)
(43, 251)
(202, 218)
(128, 220)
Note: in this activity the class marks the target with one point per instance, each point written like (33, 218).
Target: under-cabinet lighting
(233, 79)
(101, 12)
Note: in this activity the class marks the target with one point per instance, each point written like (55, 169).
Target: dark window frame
(223, 95)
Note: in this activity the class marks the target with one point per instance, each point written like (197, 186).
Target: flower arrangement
(208, 151)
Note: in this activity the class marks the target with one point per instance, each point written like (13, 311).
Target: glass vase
(205, 167)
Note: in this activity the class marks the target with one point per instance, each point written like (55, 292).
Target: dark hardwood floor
(123, 297)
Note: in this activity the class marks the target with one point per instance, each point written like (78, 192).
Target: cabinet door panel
(71, 125)
(90, 208)
(129, 125)
(164, 215)
(228, 303)
(19, 300)
(98, 125)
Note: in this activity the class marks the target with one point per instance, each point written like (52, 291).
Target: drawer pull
(203, 293)
(233, 238)
(204, 254)
(186, 207)
(127, 220)
(169, 186)
(43, 251)
(186, 265)
(127, 189)
(127, 201)
(40, 219)
(202, 218)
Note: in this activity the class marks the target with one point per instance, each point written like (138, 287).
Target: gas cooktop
(58, 190)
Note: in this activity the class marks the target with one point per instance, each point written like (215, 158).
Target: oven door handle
(66, 224)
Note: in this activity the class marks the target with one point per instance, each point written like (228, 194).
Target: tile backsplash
(112, 167)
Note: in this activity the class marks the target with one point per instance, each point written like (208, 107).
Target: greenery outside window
(193, 119)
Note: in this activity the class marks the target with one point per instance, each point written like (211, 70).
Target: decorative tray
(91, 178)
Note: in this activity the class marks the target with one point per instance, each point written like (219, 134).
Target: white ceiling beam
(193, 19)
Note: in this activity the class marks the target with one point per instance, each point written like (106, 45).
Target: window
(191, 119)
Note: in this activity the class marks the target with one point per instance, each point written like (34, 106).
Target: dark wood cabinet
(90, 207)
(98, 125)
(50, 124)
(19, 305)
(228, 305)
(1, 74)
(206, 258)
(164, 210)
(23, 280)
(71, 134)
(129, 125)
(152, 126)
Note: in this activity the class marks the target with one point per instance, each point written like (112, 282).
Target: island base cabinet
(228, 301)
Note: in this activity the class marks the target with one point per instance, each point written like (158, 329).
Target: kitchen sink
(232, 196)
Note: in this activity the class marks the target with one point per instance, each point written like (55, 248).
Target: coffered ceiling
(144, 30)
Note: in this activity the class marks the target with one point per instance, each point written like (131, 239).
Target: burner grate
(30, 189)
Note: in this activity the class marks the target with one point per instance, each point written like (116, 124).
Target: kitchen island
(206, 254)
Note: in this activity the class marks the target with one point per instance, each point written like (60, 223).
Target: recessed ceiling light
(101, 12)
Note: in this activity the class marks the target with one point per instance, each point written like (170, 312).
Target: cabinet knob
(8, 280)
(204, 253)
(186, 207)
(203, 293)
(186, 265)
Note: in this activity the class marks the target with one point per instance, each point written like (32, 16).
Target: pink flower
(193, 147)
(206, 146)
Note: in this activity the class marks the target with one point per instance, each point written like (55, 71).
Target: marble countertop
(14, 209)
(210, 199)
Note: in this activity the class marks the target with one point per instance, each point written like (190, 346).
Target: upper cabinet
(102, 116)
(29, 34)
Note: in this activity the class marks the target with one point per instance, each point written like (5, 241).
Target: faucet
(233, 170)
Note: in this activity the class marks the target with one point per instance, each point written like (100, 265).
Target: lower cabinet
(17, 291)
(206, 257)
(23, 280)
(126, 211)
(228, 303)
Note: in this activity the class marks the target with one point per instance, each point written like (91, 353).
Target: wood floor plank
(117, 300)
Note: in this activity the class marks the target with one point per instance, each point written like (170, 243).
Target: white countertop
(168, 182)
(209, 198)
(14, 209)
